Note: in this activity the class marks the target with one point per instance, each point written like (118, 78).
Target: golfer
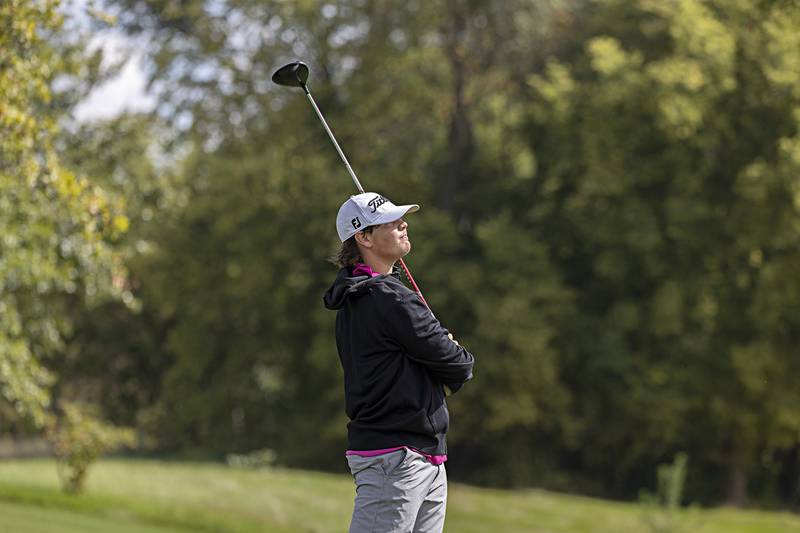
(399, 363)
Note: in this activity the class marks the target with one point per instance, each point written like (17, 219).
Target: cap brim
(395, 213)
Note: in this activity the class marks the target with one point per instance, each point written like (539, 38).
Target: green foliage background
(55, 226)
(610, 223)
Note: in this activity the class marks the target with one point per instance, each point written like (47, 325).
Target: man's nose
(403, 224)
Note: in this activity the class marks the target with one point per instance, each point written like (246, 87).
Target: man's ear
(364, 239)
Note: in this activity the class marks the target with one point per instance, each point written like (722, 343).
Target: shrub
(663, 509)
(78, 439)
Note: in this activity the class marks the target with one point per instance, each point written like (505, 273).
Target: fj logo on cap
(376, 202)
(356, 223)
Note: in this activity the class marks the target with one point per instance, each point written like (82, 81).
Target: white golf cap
(368, 209)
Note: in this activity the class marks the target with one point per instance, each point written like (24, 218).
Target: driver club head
(293, 74)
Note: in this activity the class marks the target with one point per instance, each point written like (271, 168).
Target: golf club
(295, 74)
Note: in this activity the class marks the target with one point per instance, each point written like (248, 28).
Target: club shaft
(414, 283)
(333, 140)
(357, 183)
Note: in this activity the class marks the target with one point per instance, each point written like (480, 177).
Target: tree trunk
(737, 484)
(455, 181)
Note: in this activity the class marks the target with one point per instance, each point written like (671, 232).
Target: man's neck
(379, 266)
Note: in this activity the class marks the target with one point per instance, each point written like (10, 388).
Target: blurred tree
(54, 225)
(672, 140)
(116, 351)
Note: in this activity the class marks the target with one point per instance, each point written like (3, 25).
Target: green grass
(158, 497)
(22, 518)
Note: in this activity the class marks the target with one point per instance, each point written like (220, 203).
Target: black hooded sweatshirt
(396, 358)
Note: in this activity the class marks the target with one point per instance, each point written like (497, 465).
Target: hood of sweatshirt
(343, 287)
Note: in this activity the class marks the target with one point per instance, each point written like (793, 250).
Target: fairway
(159, 496)
(17, 518)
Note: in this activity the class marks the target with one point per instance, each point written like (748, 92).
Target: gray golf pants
(398, 492)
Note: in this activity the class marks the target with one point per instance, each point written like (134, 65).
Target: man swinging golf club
(398, 363)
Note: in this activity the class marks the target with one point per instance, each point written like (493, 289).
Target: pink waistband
(433, 459)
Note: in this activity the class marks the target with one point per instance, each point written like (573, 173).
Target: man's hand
(450, 336)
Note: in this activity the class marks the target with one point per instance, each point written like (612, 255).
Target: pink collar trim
(363, 269)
